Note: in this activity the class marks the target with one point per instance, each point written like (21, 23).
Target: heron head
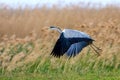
(55, 28)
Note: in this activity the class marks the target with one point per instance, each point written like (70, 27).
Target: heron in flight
(71, 42)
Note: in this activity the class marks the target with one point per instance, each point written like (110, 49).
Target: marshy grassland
(26, 43)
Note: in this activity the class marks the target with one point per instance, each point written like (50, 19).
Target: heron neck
(59, 30)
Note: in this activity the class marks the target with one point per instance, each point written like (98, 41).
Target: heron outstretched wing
(61, 46)
(70, 42)
(69, 33)
(76, 48)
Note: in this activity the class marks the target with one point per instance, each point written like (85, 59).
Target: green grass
(68, 75)
(17, 48)
(86, 66)
(62, 69)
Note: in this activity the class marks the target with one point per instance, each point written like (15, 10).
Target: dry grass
(22, 27)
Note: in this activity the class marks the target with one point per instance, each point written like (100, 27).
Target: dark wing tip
(61, 46)
(56, 52)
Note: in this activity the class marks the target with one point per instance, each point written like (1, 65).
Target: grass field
(26, 43)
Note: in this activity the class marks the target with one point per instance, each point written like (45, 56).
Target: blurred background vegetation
(26, 43)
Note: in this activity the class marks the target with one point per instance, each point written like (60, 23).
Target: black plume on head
(52, 27)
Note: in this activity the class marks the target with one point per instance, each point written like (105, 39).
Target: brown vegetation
(30, 25)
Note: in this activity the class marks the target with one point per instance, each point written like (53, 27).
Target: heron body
(70, 42)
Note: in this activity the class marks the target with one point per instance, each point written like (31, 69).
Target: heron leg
(95, 49)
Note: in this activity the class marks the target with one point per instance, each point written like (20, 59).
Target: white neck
(57, 30)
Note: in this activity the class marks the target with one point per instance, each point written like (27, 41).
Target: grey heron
(71, 42)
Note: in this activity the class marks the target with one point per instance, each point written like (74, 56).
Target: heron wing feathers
(61, 46)
(76, 40)
(70, 42)
(69, 33)
(76, 48)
